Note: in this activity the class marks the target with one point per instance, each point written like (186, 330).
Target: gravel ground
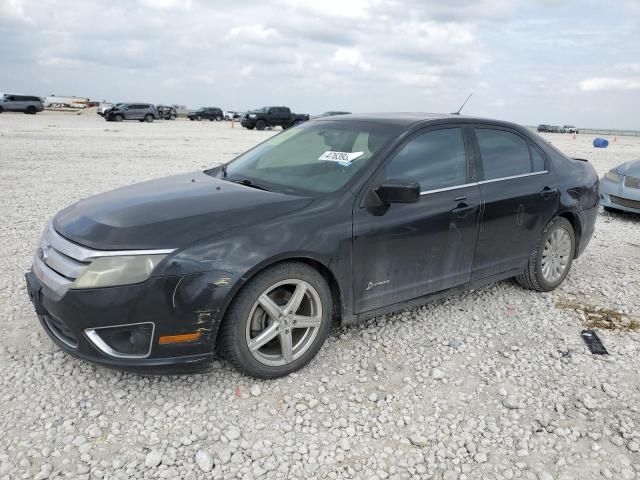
(493, 384)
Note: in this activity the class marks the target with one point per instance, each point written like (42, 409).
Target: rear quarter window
(504, 154)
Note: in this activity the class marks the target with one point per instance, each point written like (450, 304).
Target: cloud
(609, 83)
(253, 34)
(357, 55)
(350, 58)
(165, 4)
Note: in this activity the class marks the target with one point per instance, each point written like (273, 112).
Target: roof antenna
(462, 106)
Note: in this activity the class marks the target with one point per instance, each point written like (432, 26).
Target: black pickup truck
(272, 117)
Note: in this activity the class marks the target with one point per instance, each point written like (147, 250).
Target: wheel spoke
(264, 337)
(286, 345)
(269, 306)
(296, 299)
(303, 321)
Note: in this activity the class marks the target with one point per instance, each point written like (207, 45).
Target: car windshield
(318, 157)
(260, 110)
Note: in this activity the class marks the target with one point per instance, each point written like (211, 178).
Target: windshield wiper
(224, 170)
(249, 183)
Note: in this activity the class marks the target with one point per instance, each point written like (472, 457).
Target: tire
(227, 118)
(250, 128)
(261, 125)
(172, 117)
(218, 118)
(1, 109)
(118, 118)
(246, 320)
(191, 118)
(199, 118)
(141, 120)
(31, 110)
(148, 118)
(285, 126)
(535, 277)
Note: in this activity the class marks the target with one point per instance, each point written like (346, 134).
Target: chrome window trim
(94, 338)
(446, 189)
(482, 182)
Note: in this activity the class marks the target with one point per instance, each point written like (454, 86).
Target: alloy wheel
(284, 322)
(555, 255)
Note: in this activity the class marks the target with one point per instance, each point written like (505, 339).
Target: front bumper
(175, 305)
(618, 196)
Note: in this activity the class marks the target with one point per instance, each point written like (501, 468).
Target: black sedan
(342, 218)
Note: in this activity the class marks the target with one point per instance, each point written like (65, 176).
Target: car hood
(630, 168)
(169, 212)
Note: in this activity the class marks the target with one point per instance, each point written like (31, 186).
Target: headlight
(252, 115)
(613, 176)
(112, 271)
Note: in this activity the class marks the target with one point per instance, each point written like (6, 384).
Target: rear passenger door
(519, 196)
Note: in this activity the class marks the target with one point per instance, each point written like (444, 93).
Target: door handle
(548, 192)
(462, 210)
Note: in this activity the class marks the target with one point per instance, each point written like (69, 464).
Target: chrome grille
(632, 182)
(58, 261)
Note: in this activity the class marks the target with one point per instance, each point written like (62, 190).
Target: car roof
(411, 118)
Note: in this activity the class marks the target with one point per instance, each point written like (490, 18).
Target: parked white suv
(10, 102)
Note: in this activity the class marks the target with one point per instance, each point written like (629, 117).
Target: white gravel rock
(153, 458)
(204, 460)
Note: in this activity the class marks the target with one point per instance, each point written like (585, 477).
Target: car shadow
(620, 215)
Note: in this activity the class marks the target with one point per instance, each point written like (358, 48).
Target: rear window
(504, 154)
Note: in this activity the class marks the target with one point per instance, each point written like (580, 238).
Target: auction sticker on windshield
(343, 158)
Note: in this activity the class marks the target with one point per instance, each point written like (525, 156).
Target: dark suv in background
(167, 113)
(143, 112)
(20, 103)
(272, 117)
(207, 113)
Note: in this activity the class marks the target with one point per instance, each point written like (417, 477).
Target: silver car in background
(30, 104)
(620, 188)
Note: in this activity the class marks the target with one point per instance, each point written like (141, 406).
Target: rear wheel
(31, 110)
(148, 118)
(277, 322)
(219, 118)
(261, 125)
(551, 257)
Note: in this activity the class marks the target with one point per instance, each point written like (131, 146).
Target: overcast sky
(543, 61)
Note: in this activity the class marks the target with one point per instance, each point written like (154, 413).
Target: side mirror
(398, 191)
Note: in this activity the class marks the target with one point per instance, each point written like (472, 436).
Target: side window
(434, 159)
(537, 160)
(504, 154)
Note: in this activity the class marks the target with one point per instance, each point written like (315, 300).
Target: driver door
(408, 250)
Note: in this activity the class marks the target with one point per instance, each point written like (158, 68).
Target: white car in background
(103, 107)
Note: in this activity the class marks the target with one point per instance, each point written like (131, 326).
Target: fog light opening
(123, 341)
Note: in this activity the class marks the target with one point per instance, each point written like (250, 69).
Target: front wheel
(199, 117)
(277, 322)
(172, 117)
(551, 257)
(118, 118)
